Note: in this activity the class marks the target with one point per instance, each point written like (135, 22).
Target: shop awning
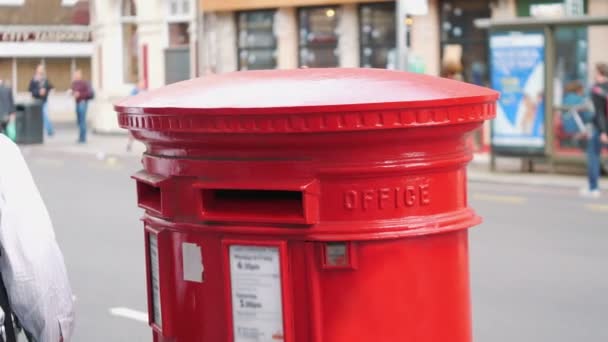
(45, 41)
(45, 49)
(533, 22)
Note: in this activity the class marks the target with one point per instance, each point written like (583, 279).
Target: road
(93, 207)
(539, 263)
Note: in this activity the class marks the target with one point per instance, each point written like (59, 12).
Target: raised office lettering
(388, 198)
(350, 199)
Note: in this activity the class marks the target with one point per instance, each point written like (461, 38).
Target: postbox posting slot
(277, 201)
(149, 196)
(256, 205)
(150, 192)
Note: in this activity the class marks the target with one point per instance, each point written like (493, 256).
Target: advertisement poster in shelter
(518, 73)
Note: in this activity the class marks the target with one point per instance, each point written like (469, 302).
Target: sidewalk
(103, 147)
(98, 146)
(509, 172)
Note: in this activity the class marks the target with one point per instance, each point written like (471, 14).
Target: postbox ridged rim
(375, 229)
(302, 101)
(310, 123)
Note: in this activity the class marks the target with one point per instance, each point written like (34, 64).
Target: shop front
(61, 49)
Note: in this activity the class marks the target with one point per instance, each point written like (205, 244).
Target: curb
(543, 180)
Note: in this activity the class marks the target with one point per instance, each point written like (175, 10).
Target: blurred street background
(537, 262)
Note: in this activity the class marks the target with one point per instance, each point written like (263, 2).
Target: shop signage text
(45, 36)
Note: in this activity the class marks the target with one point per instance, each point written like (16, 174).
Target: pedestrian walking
(82, 92)
(34, 286)
(599, 128)
(40, 88)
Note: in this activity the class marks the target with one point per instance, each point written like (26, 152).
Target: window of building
(173, 8)
(128, 9)
(571, 66)
(178, 23)
(571, 54)
(458, 33)
(6, 70)
(18, 72)
(25, 71)
(179, 8)
(130, 46)
(257, 45)
(378, 36)
(84, 64)
(464, 48)
(318, 40)
(178, 34)
(177, 52)
(59, 72)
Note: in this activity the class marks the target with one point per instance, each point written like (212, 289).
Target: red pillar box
(312, 205)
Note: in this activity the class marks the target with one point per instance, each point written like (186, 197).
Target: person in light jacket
(32, 267)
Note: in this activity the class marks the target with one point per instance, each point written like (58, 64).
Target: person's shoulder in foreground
(31, 263)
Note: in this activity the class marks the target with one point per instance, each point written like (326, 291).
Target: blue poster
(518, 73)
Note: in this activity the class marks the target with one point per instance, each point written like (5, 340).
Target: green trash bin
(28, 123)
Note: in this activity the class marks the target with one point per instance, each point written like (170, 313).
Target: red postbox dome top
(307, 100)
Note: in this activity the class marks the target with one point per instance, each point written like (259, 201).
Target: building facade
(163, 41)
(148, 41)
(265, 34)
(53, 33)
(241, 35)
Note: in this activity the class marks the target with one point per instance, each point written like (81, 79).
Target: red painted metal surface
(354, 179)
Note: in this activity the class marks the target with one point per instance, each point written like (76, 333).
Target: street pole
(401, 13)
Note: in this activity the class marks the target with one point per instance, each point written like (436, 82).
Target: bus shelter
(533, 121)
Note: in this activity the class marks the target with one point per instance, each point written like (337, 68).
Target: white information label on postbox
(155, 280)
(257, 306)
